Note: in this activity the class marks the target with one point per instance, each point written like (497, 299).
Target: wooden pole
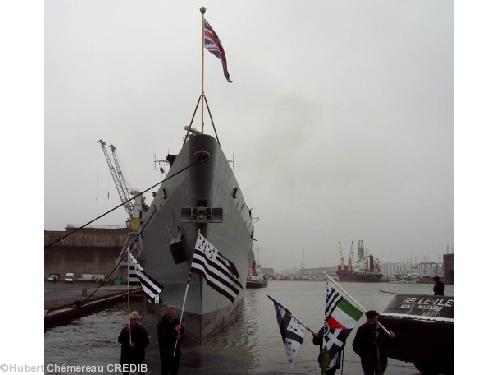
(202, 10)
(352, 298)
(182, 311)
(128, 297)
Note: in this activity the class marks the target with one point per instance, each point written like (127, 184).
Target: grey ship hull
(210, 184)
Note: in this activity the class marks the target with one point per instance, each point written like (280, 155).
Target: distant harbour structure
(427, 268)
(315, 273)
(268, 272)
(365, 269)
(448, 268)
(93, 250)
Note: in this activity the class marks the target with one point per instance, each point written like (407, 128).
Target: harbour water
(250, 345)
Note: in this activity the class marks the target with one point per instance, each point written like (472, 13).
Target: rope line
(106, 278)
(192, 119)
(211, 119)
(123, 203)
(81, 302)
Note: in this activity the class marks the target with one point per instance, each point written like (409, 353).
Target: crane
(342, 263)
(120, 188)
(119, 172)
(302, 262)
(349, 267)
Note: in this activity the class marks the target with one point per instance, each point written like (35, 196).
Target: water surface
(250, 345)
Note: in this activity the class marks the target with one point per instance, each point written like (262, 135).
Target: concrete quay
(65, 302)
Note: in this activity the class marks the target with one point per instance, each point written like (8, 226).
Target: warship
(199, 193)
(205, 197)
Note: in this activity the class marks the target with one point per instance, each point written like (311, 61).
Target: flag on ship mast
(213, 44)
(340, 318)
(219, 272)
(150, 286)
(292, 330)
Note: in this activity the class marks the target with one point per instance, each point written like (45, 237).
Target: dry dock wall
(91, 251)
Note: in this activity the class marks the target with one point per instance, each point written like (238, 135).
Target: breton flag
(219, 272)
(340, 319)
(291, 329)
(213, 45)
(150, 286)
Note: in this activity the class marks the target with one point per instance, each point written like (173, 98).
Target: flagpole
(344, 291)
(202, 10)
(128, 296)
(182, 311)
(128, 279)
(352, 299)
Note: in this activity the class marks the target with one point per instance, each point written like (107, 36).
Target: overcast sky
(340, 115)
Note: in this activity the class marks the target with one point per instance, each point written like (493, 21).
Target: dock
(65, 302)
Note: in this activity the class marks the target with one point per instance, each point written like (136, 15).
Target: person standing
(169, 332)
(438, 286)
(134, 340)
(323, 354)
(370, 344)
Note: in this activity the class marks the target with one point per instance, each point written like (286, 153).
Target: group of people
(134, 340)
(370, 343)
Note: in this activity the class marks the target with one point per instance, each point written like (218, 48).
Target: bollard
(84, 292)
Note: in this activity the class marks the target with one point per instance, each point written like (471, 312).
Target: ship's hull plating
(367, 277)
(210, 184)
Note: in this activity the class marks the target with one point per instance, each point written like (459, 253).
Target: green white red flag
(341, 316)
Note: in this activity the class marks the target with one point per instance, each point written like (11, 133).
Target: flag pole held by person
(363, 309)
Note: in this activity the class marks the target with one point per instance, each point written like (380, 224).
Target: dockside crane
(349, 267)
(342, 263)
(120, 188)
(134, 210)
(121, 177)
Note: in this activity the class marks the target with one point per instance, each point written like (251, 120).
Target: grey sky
(340, 115)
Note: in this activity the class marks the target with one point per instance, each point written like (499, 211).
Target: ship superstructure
(365, 269)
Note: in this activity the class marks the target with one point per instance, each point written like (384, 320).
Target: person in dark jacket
(370, 343)
(169, 331)
(318, 340)
(438, 286)
(134, 340)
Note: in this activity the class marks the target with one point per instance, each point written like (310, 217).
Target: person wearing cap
(370, 343)
(134, 340)
(438, 286)
(169, 332)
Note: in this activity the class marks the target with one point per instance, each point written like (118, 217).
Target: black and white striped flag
(150, 286)
(219, 272)
(292, 330)
(341, 316)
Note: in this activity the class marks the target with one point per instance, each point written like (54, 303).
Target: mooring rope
(192, 119)
(123, 203)
(211, 119)
(106, 278)
(203, 96)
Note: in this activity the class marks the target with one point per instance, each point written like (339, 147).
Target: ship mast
(202, 11)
